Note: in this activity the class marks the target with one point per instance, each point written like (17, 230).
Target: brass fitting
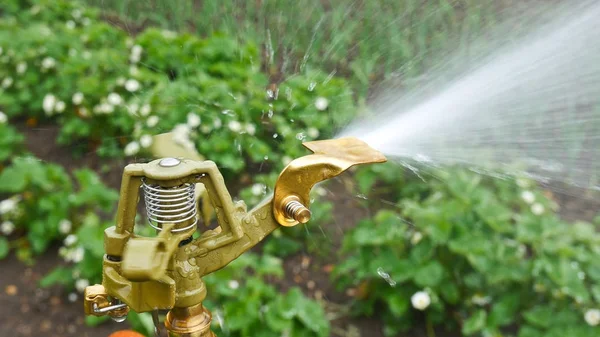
(165, 272)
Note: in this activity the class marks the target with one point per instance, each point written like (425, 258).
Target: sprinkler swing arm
(165, 272)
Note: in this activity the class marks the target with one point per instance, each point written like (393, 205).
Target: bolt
(295, 210)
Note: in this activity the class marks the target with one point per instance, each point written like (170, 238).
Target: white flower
(205, 128)
(233, 284)
(132, 85)
(76, 13)
(479, 300)
(21, 67)
(72, 52)
(77, 98)
(528, 197)
(146, 141)
(3, 117)
(86, 21)
(7, 82)
(104, 108)
(167, 34)
(72, 297)
(48, 63)
(145, 111)
(71, 24)
(217, 123)
(592, 317)
(193, 120)
(81, 284)
(235, 126)
(181, 136)
(64, 226)
(537, 209)
(416, 238)
(70, 240)
(121, 81)
(134, 71)
(259, 189)
(86, 55)
(136, 54)
(133, 109)
(152, 120)
(78, 255)
(312, 132)
(321, 103)
(251, 129)
(48, 104)
(7, 206)
(131, 148)
(7, 227)
(60, 106)
(420, 300)
(114, 99)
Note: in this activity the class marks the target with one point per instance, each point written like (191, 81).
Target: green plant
(210, 92)
(43, 205)
(475, 254)
(249, 306)
(11, 141)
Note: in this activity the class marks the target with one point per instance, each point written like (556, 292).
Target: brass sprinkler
(165, 272)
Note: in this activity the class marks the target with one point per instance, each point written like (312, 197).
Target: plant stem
(430, 330)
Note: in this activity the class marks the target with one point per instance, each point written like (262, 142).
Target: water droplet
(362, 196)
(386, 277)
(312, 86)
(119, 319)
(300, 136)
(275, 135)
(266, 158)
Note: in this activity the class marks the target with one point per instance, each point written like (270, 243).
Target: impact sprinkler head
(165, 272)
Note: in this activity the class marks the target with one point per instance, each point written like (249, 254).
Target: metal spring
(170, 205)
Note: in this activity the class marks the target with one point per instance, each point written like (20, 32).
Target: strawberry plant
(476, 255)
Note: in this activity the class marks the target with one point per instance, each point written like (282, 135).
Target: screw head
(169, 162)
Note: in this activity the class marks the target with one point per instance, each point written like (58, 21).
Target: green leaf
(95, 321)
(539, 316)
(13, 180)
(4, 247)
(475, 323)
(504, 310)
(430, 275)
(450, 292)
(60, 275)
(398, 304)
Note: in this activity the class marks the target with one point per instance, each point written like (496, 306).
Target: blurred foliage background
(244, 83)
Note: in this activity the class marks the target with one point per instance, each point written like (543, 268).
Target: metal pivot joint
(165, 272)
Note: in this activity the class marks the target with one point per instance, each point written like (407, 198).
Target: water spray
(165, 272)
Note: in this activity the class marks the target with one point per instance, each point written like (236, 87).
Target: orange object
(126, 333)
